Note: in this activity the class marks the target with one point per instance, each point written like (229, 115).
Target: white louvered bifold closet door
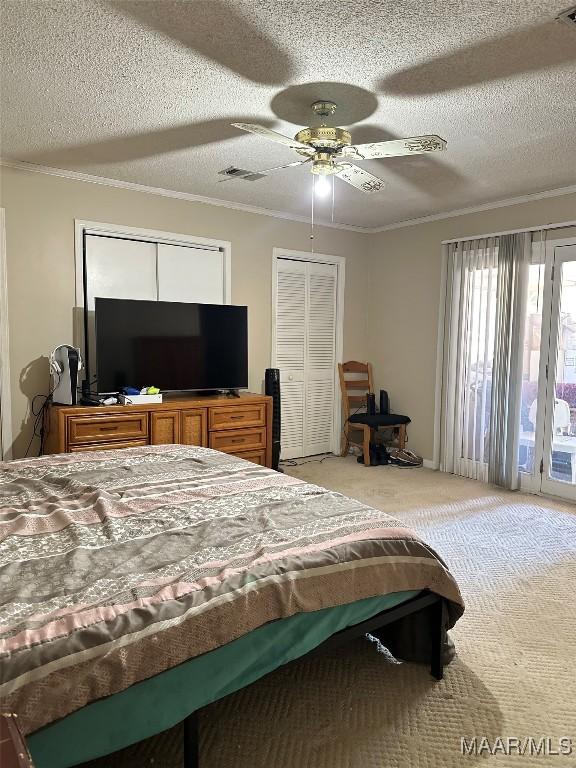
(320, 362)
(306, 355)
(290, 353)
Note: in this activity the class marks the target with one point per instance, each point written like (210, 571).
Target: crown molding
(134, 187)
(571, 190)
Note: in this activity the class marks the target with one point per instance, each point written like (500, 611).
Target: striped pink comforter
(117, 565)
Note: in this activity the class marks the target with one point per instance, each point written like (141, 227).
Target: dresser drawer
(236, 416)
(111, 446)
(107, 428)
(235, 440)
(256, 457)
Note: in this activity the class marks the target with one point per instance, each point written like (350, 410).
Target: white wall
(404, 302)
(392, 280)
(40, 214)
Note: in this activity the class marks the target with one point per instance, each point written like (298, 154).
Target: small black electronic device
(370, 403)
(90, 400)
(272, 388)
(384, 402)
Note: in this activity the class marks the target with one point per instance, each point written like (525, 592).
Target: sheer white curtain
(511, 296)
(483, 323)
(468, 356)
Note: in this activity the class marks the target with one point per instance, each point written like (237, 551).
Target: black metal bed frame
(425, 602)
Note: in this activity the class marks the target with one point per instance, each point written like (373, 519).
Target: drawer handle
(237, 416)
(238, 440)
(109, 429)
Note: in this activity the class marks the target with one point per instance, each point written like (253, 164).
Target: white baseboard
(429, 464)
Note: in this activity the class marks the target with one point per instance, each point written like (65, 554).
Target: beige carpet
(515, 674)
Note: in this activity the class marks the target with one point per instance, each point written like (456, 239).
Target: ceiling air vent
(241, 173)
(568, 17)
(231, 171)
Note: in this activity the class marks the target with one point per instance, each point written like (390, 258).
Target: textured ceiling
(145, 92)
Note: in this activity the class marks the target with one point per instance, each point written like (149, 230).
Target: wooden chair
(361, 385)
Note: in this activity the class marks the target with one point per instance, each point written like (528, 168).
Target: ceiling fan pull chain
(312, 215)
(332, 198)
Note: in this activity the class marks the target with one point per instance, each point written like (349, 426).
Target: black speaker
(272, 388)
(384, 402)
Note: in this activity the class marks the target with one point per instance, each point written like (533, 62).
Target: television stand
(241, 425)
(232, 393)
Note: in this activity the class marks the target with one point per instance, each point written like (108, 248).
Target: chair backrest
(561, 416)
(360, 384)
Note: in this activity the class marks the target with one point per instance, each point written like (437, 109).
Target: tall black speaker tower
(272, 388)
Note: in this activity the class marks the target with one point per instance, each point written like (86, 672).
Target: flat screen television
(170, 345)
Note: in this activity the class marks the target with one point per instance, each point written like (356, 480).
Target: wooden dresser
(239, 425)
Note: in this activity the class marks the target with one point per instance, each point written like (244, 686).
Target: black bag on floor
(378, 455)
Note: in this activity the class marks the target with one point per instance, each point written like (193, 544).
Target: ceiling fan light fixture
(322, 186)
(324, 137)
(323, 164)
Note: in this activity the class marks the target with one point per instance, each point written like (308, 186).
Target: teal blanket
(160, 702)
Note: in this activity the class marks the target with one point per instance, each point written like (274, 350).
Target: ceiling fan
(329, 151)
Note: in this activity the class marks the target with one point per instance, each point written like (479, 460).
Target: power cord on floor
(295, 463)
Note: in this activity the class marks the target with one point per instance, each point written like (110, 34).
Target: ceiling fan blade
(415, 145)
(360, 178)
(288, 165)
(266, 133)
(256, 175)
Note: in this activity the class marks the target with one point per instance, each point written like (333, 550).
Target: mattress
(117, 566)
(162, 701)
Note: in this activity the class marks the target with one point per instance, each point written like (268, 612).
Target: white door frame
(538, 482)
(340, 263)
(549, 484)
(151, 236)
(5, 394)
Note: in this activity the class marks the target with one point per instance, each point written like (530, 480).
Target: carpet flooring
(514, 556)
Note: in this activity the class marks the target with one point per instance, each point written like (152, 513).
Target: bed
(139, 585)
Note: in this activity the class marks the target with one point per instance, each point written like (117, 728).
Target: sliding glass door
(547, 445)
